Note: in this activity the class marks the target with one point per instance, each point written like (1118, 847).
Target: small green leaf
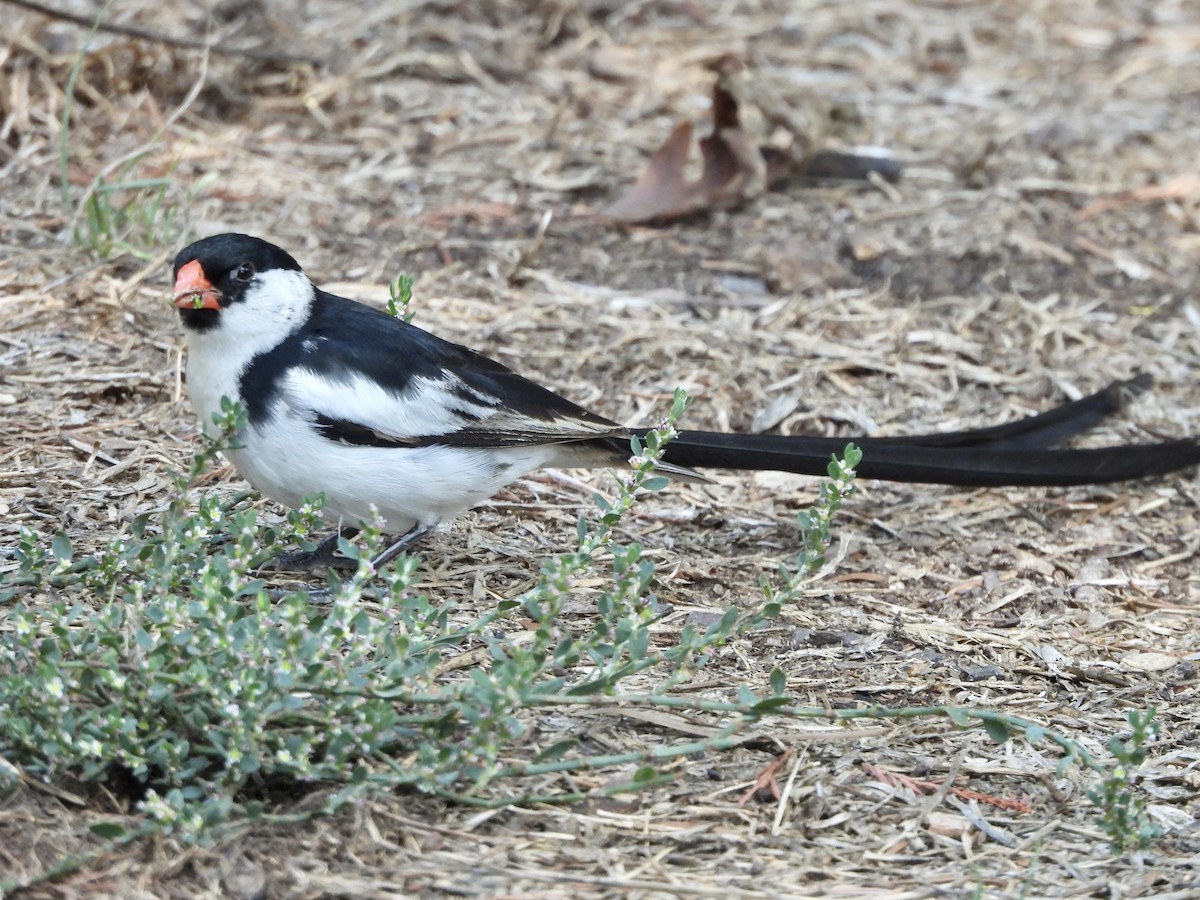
(997, 729)
(959, 716)
(399, 296)
(109, 830)
(778, 682)
(645, 774)
(61, 547)
(556, 750)
(770, 704)
(1065, 764)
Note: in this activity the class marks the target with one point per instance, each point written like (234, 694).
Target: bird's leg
(405, 541)
(322, 555)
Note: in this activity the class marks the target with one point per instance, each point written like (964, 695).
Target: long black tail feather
(1044, 429)
(1012, 454)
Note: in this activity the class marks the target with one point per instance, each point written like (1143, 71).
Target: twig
(155, 37)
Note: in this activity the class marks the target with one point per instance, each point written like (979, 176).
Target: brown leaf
(733, 170)
(661, 190)
(949, 825)
(766, 780)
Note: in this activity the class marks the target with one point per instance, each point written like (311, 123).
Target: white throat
(275, 304)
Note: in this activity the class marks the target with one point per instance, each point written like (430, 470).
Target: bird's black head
(215, 272)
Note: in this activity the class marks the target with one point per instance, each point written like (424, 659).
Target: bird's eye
(244, 272)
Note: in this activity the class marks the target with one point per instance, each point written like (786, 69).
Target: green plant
(123, 211)
(164, 657)
(139, 658)
(1122, 809)
(814, 525)
(68, 108)
(131, 215)
(399, 296)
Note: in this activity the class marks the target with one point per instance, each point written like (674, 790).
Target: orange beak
(193, 290)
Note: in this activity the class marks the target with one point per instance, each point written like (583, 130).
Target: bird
(394, 424)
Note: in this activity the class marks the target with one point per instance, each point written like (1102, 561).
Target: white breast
(288, 461)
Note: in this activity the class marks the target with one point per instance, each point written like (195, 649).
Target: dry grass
(1021, 259)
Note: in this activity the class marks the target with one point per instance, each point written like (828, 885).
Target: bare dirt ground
(1044, 241)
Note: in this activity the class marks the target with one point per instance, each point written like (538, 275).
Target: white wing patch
(310, 345)
(429, 407)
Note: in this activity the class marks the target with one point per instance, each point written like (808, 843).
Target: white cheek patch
(428, 407)
(274, 305)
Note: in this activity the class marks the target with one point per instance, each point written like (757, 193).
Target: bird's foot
(323, 555)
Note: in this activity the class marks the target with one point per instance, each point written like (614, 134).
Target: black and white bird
(345, 400)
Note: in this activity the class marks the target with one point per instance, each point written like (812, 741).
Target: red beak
(193, 290)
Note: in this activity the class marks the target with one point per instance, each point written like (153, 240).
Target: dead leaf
(736, 165)
(733, 171)
(1149, 661)
(1182, 188)
(613, 63)
(766, 779)
(948, 824)
(661, 190)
